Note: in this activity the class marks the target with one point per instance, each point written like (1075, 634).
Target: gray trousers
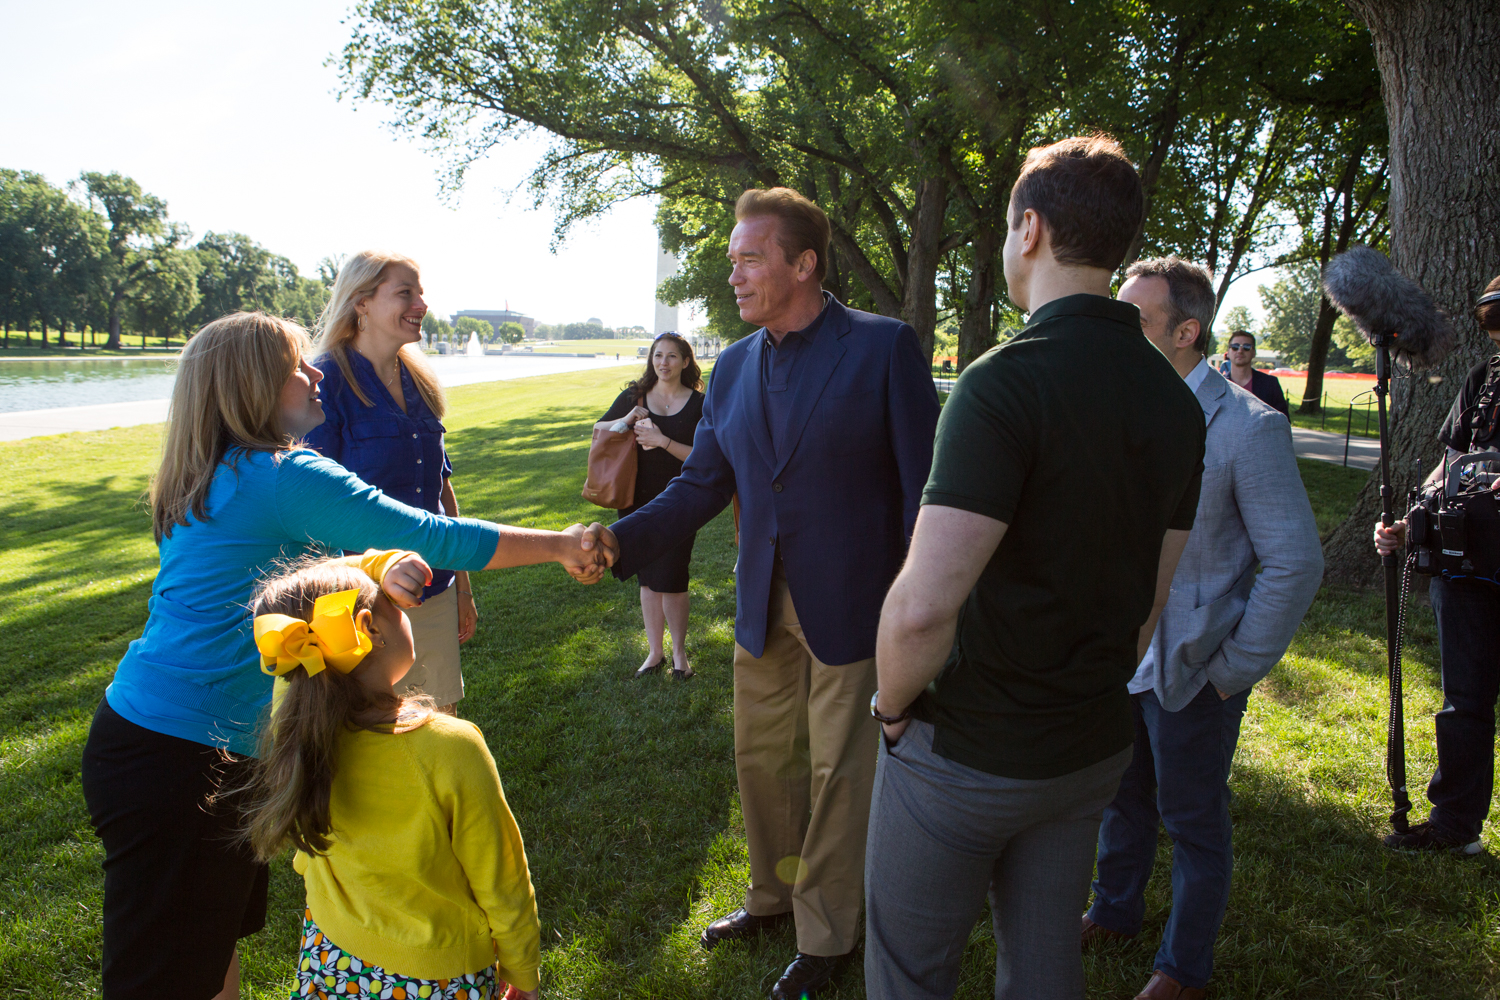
(941, 836)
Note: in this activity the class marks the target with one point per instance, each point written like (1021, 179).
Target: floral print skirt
(328, 972)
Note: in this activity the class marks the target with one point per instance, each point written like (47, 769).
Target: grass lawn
(625, 790)
(1338, 393)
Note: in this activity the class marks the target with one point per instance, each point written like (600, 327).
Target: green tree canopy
(467, 325)
(138, 234)
(52, 255)
(104, 253)
(168, 294)
(1237, 318)
(907, 121)
(241, 275)
(511, 333)
(1292, 307)
(435, 327)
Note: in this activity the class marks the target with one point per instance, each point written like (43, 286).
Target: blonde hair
(358, 278)
(286, 800)
(229, 381)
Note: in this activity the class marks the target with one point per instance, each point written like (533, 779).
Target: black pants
(1468, 620)
(177, 892)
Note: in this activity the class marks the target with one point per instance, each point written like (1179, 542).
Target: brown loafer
(1163, 987)
(1096, 934)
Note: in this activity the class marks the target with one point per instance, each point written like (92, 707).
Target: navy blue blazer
(841, 495)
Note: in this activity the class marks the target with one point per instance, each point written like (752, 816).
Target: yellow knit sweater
(426, 875)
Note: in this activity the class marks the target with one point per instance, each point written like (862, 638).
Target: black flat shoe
(808, 975)
(650, 668)
(682, 675)
(739, 925)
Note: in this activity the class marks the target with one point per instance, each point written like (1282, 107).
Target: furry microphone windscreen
(1362, 284)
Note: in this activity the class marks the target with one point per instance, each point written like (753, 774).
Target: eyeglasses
(1242, 347)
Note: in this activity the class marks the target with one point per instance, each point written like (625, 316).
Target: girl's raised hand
(404, 581)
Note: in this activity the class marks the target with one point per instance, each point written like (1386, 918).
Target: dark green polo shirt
(1081, 437)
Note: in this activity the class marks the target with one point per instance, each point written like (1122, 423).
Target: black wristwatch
(889, 720)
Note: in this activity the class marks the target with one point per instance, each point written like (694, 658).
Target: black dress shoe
(739, 925)
(808, 975)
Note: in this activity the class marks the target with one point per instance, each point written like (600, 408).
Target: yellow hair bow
(331, 639)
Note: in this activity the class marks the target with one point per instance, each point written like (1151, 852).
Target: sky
(229, 113)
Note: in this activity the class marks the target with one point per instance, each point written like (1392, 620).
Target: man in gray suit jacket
(1224, 627)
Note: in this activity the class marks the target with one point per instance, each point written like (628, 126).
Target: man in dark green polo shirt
(1061, 496)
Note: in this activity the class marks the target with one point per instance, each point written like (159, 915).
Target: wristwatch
(889, 720)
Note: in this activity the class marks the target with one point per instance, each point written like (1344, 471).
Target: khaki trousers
(805, 748)
(437, 670)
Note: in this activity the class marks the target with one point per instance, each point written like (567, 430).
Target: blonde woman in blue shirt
(384, 408)
(234, 496)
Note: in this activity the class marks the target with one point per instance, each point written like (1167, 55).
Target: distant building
(494, 317)
(666, 316)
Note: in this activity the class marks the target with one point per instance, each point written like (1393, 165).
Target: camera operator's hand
(1389, 540)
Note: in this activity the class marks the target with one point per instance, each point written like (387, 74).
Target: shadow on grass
(95, 529)
(1343, 634)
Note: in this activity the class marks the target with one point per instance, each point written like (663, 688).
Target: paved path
(35, 423)
(453, 371)
(1364, 453)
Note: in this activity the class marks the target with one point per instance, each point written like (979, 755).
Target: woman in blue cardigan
(384, 409)
(235, 495)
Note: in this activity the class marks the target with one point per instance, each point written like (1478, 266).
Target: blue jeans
(1179, 777)
(1468, 621)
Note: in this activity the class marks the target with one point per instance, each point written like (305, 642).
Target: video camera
(1453, 531)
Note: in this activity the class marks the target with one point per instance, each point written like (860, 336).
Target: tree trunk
(1317, 357)
(1317, 361)
(1440, 79)
(976, 333)
(919, 303)
(113, 343)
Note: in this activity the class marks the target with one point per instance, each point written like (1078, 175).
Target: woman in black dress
(664, 406)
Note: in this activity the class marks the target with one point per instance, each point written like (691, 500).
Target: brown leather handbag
(612, 465)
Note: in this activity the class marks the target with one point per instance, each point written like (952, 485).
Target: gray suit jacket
(1225, 624)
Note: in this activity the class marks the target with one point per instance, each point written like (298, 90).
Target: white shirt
(1145, 674)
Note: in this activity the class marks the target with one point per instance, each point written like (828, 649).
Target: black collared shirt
(1089, 465)
(779, 370)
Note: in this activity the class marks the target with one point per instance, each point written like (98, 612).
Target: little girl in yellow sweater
(417, 885)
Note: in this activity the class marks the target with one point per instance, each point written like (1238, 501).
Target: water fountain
(475, 348)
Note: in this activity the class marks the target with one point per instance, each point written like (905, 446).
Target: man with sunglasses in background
(1265, 387)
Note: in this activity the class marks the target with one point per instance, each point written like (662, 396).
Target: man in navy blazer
(822, 422)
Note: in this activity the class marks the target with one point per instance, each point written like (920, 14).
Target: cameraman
(1468, 620)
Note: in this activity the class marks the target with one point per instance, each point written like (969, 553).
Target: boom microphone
(1395, 315)
(1362, 284)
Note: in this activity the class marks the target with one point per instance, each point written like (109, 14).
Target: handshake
(587, 552)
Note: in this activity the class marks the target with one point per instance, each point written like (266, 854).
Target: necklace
(395, 375)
